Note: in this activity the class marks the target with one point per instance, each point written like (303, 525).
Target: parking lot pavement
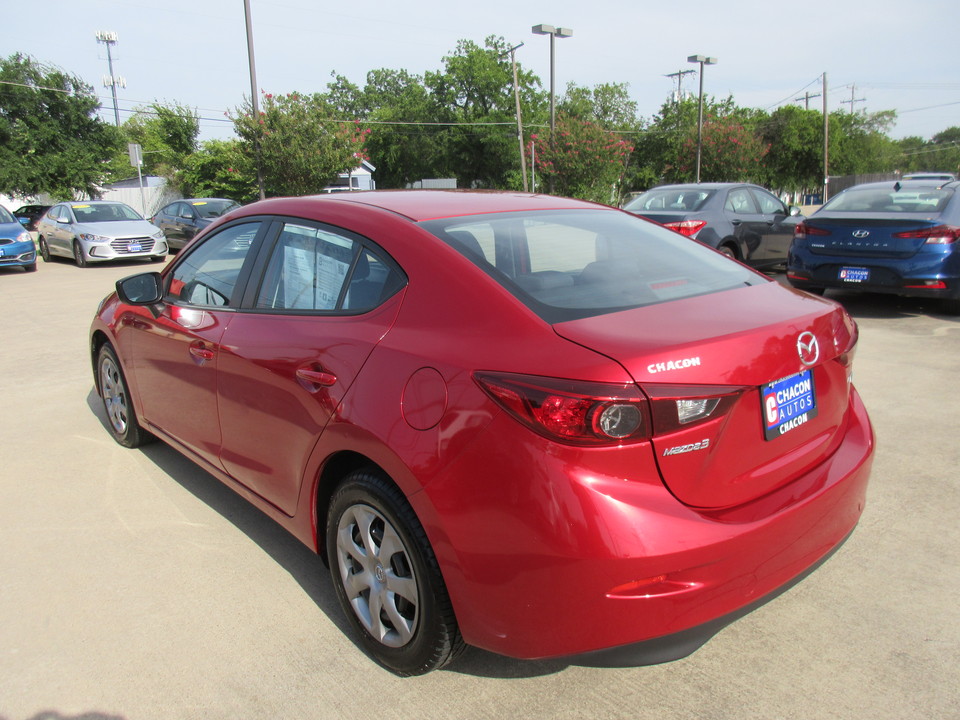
(133, 585)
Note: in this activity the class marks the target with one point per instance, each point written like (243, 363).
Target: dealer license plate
(854, 274)
(134, 247)
(787, 404)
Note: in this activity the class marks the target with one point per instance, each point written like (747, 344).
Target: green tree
(303, 144)
(403, 144)
(220, 168)
(585, 160)
(475, 91)
(795, 138)
(51, 140)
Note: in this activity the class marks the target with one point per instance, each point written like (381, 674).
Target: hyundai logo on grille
(808, 348)
(860, 233)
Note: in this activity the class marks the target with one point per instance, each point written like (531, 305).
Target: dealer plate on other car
(787, 404)
(134, 247)
(854, 274)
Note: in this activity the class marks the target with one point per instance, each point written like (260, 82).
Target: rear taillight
(571, 411)
(588, 413)
(937, 235)
(803, 230)
(690, 228)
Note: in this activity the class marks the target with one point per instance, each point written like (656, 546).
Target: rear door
(325, 300)
(777, 228)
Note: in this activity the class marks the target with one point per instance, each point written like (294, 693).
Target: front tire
(387, 578)
(78, 257)
(44, 250)
(121, 416)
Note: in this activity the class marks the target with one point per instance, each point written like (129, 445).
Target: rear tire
(729, 250)
(387, 578)
(121, 416)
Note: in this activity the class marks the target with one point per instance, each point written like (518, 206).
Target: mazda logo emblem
(808, 348)
(860, 233)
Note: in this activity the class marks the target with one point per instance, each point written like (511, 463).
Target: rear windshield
(888, 199)
(670, 199)
(570, 264)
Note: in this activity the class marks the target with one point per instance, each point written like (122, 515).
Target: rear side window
(318, 270)
(577, 263)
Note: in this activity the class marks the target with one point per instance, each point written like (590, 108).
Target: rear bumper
(683, 643)
(606, 566)
(931, 274)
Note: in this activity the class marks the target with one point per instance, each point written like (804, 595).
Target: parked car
(30, 214)
(16, 244)
(530, 424)
(886, 237)
(97, 231)
(183, 219)
(742, 221)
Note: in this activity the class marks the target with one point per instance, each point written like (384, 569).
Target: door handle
(200, 352)
(313, 380)
(735, 222)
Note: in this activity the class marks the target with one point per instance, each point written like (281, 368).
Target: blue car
(16, 244)
(888, 237)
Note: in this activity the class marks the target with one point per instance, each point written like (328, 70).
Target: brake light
(803, 229)
(588, 413)
(571, 411)
(689, 228)
(937, 235)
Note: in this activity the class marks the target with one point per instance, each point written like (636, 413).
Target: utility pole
(826, 142)
(806, 99)
(679, 76)
(111, 81)
(254, 104)
(516, 95)
(853, 99)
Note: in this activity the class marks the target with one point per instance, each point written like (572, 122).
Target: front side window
(571, 264)
(319, 270)
(769, 205)
(208, 275)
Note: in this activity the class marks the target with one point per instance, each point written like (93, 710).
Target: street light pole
(703, 60)
(553, 32)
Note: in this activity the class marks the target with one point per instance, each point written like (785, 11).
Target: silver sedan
(97, 231)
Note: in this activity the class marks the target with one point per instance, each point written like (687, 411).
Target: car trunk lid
(867, 235)
(755, 344)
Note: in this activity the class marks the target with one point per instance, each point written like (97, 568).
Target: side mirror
(63, 220)
(142, 289)
(794, 211)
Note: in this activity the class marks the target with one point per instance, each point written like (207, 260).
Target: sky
(882, 54)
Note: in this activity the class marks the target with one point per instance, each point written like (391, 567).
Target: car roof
(420, 205)
(918, 183)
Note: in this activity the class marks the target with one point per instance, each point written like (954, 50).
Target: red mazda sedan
(534, 425)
